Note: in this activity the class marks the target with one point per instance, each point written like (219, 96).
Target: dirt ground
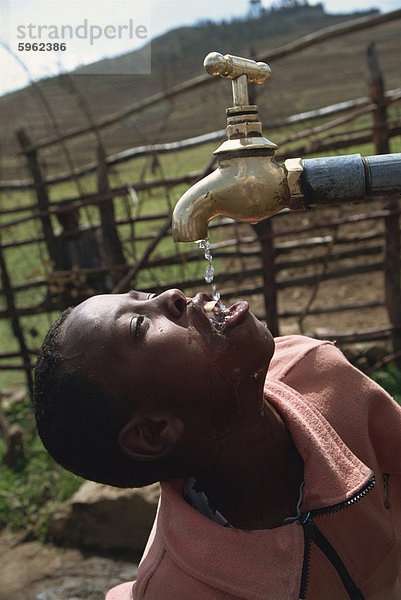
(33, 571)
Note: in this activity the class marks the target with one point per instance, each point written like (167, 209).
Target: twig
(125, 283)
(14, 442)
(205, 80)
(318, 280)
(16, 325)
(328, 125)
(384, 361)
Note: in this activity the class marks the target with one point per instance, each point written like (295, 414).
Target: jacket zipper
(313, 534)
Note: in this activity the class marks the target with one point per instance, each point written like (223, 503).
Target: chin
(256, 345)
(262, 332)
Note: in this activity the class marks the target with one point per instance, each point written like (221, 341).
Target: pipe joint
(295, 168)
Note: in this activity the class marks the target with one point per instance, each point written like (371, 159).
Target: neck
(256, 474)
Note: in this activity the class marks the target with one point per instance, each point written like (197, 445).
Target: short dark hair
(79, 424)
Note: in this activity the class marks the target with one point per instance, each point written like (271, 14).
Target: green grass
(32, 491)
(34, 488)
(30, 495)
(27, 263)
(390, 379)
(318, 76)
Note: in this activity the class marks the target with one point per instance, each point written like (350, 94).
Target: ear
(150, 438)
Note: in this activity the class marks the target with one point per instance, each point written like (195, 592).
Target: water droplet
(209, 275)
(216, 295)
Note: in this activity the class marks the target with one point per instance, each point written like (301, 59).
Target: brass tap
(248, 184)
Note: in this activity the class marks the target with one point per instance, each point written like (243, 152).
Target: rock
(34, 571)
(106, 518)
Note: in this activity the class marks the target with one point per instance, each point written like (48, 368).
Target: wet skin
(164, 351)
(138, 342)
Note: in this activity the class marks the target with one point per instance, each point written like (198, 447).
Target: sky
(35, 29)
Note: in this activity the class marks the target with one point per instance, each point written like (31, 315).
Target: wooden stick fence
(253, 277)
(204, 80)
(392, 269)
(391, 97)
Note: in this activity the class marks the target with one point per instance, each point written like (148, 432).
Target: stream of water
(209, 274)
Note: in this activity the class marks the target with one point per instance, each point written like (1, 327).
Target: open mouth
(223, 318)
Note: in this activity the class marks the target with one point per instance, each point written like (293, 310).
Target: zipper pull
(307, 524)
(306, 520)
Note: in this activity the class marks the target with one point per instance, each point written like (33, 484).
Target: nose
(173, 301)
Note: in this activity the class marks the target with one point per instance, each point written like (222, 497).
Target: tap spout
(252, 188)
(249, 185)
(245, 188)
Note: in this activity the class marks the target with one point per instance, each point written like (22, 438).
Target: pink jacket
(347, 543)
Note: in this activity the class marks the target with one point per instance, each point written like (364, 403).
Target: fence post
(264, 231)
(392, 264)
(15, 323)
(112, 245)
(42, 197)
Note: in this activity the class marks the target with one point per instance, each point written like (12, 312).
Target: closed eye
(141, 295)
(136, 324)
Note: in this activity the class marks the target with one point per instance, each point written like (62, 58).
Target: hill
(330, 72)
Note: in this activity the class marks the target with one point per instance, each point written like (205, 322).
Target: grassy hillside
(329, 72)
(321, 75)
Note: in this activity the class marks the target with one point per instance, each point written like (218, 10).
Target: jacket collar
(252, 565)
(270, 560)
(332, 473)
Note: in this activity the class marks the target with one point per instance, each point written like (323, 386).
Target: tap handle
(239, 70)
(232, 67)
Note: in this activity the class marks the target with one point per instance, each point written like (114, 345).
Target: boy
(279, 486)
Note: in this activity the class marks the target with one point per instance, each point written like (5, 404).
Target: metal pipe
(250, 186)
(335, 179)
(253, 188)
(383, 174)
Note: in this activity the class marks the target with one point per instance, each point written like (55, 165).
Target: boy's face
(164, 348)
